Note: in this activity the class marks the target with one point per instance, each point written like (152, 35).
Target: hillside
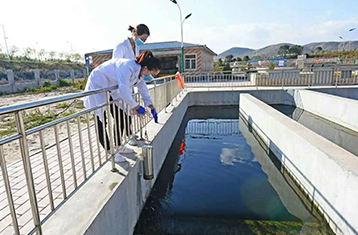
(236, 51)
(272, 50)
(28, 65)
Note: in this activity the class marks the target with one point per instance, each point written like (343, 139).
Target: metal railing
(280, 78)
(68, 153)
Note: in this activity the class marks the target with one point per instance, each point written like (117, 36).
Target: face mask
(139, 42)
(148, 78)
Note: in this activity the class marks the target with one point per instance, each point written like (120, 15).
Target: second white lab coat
(121, 72)
(125, 50)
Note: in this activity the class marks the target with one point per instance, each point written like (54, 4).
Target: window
(190, 62)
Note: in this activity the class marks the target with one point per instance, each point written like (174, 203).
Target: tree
(296, 49)
(319, 49)
(13, 51)
(220, 62)
(246, 58)
(238, 59)
(217, 67)
(283, 50)
(76, 57)
(228, 58)
(42, 53)
(271, 66)
(227, 68)
(52, 55)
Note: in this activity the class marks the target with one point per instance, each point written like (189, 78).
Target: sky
(92, 25)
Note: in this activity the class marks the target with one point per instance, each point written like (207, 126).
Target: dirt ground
(11, 150)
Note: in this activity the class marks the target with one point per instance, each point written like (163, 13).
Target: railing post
(28, 171)
(11, 79)
(8, 191)
(57, 75)
(165, 94)
(37, 76)
(110, 130)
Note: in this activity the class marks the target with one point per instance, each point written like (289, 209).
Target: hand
(140, 110)
(155, 115)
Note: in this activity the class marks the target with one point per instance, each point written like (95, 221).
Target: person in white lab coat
(125, 73)
(129, 49)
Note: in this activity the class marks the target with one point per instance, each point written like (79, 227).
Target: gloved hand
(155, 115)
(141, 110)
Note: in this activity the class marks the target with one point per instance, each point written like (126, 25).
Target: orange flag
(180, 80)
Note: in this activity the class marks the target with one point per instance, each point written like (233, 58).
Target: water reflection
(212, 182)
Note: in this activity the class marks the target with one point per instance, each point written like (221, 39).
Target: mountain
(272, 50)
(235, 51)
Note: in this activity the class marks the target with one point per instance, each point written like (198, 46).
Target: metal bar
(104, 132)
(9, 139)
(70, 143)
(90, 141)
(110, 130)
(59, 156)
(35, 104)
(116, 140)
(119, 125)
(97, 137)
(28, 172)
(58, 121)
(47, 172)
(8, 191)
(81, 148)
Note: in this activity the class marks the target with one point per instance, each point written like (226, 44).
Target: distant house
(198, 58)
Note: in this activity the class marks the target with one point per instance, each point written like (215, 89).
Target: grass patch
(7, 132)
(62, 105)
(63, 83)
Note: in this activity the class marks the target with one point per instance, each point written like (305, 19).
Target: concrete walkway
(18, 180)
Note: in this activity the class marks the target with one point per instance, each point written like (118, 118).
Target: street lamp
(181, 27)
(350, 30)
(7, 49)
(342, 57)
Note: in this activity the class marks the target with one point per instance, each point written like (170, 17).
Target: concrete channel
(110, 203)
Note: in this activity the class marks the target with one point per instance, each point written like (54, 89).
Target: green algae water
(218, 179)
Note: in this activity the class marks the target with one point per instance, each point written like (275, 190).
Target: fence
(316, 77)
(68, 154)
(13, 81)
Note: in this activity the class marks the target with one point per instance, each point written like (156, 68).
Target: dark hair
(147, 58)
(140, 29)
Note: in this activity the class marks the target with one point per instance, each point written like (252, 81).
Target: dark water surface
(217, 179)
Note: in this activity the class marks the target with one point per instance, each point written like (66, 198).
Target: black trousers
(121, 117)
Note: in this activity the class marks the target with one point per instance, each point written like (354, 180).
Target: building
(198, 58)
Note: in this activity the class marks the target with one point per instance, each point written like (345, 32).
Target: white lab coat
(125, 50)
(121, 72)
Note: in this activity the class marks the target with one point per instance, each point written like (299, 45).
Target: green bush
(63, 82)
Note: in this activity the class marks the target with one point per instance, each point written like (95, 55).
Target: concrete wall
(346, 92)
(14, 86)
(328, 173)
(339, 110)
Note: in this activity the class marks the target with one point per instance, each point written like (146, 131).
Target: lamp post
(181, 28)
(7, 49)
(350, 30)
(342, 57)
